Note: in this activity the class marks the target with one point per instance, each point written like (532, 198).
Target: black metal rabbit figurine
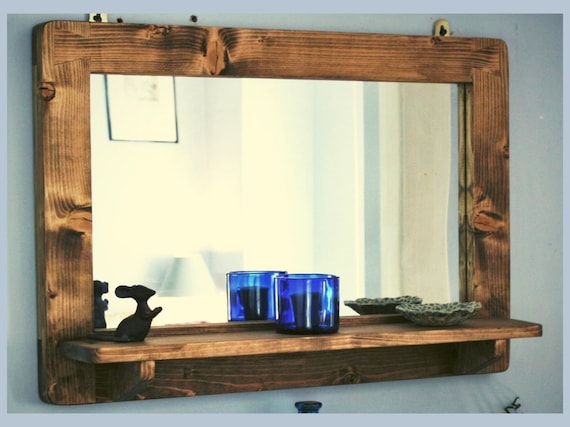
(137, 325)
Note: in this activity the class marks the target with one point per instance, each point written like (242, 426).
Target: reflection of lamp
(187, 276)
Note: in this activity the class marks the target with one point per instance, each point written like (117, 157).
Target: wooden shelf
(190, 360)
(261, 339)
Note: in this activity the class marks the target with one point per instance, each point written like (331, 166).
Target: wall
(535, 374)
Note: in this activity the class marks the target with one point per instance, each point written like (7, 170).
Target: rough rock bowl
(380, 305)
(447, 314)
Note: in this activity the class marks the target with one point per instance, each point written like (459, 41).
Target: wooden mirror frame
(249, 356)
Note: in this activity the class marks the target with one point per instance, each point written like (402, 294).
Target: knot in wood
(350, 377)
(158, 30)
(216, 55)
(487, 219)
(78, 220)
(47, 91)
(486, 223)
(436, 40)
(189, 373)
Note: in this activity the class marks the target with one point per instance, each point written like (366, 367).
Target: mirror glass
(356, 179)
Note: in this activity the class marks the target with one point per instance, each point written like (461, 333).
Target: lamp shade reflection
(187, 276)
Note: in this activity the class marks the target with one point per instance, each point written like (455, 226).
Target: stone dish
(439, 314)
(380, 305)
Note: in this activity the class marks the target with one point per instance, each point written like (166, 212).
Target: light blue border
(245, 6)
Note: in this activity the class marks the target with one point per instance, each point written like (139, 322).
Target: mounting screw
(98, 17)
(442, 28)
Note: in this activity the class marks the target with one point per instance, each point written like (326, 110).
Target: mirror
(345, 177)
(67, 54)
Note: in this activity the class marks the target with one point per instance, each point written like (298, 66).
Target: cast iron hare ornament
(137, 325)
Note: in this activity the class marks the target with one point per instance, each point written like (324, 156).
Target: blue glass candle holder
(307, 303)
(251, 295)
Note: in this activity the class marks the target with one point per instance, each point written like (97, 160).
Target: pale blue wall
(535, 374)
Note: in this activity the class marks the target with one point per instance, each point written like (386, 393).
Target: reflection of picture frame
(141, 108)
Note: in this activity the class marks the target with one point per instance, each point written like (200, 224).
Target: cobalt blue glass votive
(307, 303)
(251, 295)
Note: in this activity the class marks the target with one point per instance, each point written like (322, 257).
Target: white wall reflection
(249, 187)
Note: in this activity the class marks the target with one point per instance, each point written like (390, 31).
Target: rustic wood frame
(222, 358)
